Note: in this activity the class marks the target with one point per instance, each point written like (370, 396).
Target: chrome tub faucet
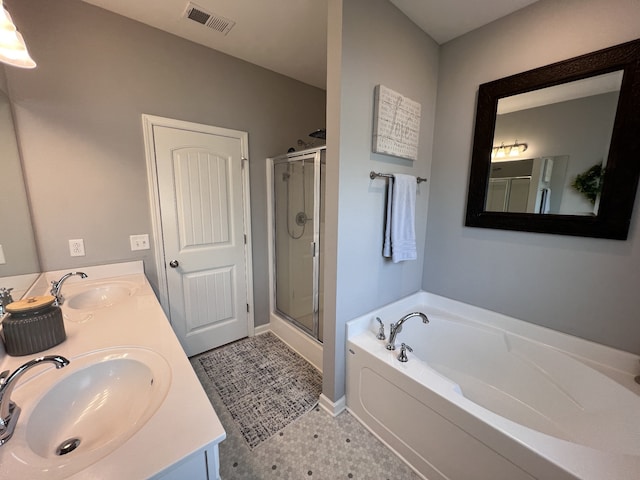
(396, 327)
(56, 287)
(9, 411)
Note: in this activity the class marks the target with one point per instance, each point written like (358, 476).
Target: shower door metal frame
(315, 155)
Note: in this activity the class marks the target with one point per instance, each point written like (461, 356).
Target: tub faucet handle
(381, 335)
(403, 352)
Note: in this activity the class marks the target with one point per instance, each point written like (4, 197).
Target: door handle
(174, 263)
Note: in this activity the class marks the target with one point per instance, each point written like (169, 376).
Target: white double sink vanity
(128, 404)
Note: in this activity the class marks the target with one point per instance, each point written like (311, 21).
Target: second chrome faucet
(56, 287)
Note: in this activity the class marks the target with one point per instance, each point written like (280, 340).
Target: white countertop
(184, 423)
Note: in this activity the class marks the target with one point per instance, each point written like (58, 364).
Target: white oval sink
(100, 295)
(91, 407)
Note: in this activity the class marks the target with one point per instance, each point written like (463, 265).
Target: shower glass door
(297, 240)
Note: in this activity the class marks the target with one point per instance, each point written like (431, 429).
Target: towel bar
(374, 175)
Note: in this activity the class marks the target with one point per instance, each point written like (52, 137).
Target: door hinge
(245, 238)
(247, 308)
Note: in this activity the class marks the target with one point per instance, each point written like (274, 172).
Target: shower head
(320, 133)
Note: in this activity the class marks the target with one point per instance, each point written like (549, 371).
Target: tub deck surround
(521, 400)
(185, 423)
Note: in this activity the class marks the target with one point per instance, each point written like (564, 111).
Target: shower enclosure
(298, 229)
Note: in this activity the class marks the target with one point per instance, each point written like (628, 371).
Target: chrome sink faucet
(56, 287)
(9, 411)
(5, 299)
(396, 327)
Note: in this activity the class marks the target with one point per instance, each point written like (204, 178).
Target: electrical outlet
(76, 247)
(139, 242)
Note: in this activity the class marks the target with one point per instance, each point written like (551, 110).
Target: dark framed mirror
(557, 149)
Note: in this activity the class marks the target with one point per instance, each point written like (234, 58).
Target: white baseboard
(333, 408)
(310, 349)
(260, 329)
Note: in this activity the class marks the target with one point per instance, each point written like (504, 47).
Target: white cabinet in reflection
(533, 185)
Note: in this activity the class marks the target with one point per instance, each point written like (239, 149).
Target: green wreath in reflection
(589, 183)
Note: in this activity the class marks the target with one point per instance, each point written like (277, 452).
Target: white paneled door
(201, 178)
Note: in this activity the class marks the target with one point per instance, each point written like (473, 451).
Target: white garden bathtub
(484, 396)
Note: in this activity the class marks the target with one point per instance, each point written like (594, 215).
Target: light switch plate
(2, 259)
(139, 242)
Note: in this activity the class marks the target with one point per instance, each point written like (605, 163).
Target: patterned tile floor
(316, 446)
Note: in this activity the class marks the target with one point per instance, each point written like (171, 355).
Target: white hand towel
(403, 213)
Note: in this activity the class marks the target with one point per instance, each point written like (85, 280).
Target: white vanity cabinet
(202, 465)
(177, 440)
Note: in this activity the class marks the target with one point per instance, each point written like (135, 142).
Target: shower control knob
(174, 263)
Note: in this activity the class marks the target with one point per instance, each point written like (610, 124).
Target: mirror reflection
(19, 265)
(550, 147)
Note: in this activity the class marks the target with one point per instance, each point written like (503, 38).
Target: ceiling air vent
(210, 20)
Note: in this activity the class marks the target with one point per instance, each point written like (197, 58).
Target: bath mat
(263, 383)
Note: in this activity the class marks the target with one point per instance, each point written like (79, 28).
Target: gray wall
(79, 122)
(376, 45)
(585, 287)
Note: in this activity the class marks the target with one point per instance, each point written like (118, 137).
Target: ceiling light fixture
(13, 50)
